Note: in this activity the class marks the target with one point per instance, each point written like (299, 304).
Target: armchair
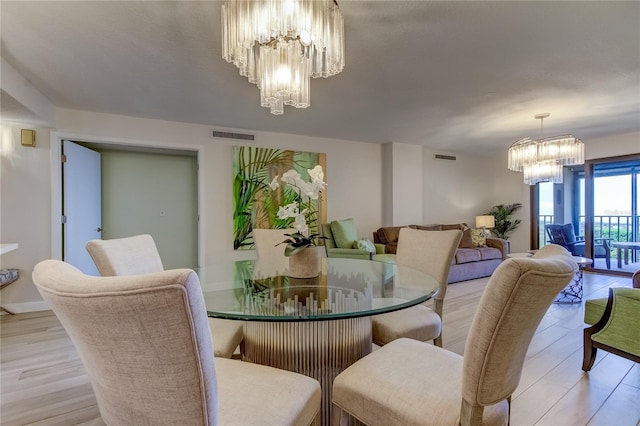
(614, 324)
(564, 236)
(342, 241)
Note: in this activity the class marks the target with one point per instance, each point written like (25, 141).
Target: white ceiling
(451, 75)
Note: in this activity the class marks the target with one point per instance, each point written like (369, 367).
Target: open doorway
(146, 190)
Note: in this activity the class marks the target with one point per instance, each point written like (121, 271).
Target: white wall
(21, 89)
(628, 143)
(508, 188)
(459, 190)
(25, 216)
(353, 170)
(451, 191)
(407, 189)
(354, 178)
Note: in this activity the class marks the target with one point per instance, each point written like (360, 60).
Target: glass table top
(345, 288)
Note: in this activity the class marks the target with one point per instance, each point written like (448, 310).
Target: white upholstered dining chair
(414, 383)
(139, 255)
(145, 343)
(271, 258)
(430, 252)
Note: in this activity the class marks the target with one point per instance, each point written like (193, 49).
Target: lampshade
(542, 160)
(485, 221)
(279, 44)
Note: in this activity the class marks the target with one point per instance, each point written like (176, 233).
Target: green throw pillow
(365, 245)
(344, 232)
(478, 238)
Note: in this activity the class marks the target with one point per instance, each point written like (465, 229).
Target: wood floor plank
(633, 378)
(532, 404)
(546, 361)
(589, 394)
(88, 416)
(622, 408)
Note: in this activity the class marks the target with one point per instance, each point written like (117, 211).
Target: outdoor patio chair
(565, 236)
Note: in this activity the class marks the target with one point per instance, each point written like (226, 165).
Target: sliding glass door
(612, 206)
(601, 202)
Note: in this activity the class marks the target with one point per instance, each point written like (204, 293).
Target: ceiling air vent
(444, 157)
(229, 135)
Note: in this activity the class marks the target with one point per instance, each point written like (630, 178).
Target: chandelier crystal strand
(566, 149)
(542, 160)
(522, 153)
(279, 44)
(547, 171)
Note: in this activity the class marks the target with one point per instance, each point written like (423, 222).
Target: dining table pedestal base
(318, 349)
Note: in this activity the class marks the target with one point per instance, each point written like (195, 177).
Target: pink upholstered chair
(414, 383)
(139, 255)
(145, 343)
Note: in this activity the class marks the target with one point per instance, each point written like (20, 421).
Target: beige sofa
(470, 262)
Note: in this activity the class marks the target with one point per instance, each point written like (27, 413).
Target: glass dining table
(314, 326)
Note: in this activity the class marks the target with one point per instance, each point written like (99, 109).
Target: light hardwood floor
(43, 381)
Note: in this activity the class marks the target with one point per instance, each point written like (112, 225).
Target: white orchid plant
(300, 208)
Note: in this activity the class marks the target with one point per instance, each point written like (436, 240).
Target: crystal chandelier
(542, 160)
(279, 44)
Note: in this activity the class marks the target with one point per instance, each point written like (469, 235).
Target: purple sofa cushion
(466, 255)
(487, 253)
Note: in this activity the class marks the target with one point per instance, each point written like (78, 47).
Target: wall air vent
(444, 157)
(229, 135)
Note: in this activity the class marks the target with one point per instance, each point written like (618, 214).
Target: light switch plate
(28, 137)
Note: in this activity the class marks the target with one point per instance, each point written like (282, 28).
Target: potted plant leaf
(505, 224)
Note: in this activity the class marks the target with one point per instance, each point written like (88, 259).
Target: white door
(81, 204)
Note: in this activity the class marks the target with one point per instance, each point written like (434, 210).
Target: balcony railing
(618, 228)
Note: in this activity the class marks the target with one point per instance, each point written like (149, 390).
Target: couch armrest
(349, 253)
(376, 239)
(391, 248)
(380, 248)
(498, 243)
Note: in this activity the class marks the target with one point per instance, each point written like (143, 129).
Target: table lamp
(486, 222)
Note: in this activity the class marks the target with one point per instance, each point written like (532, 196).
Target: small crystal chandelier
(279, 44)
(542, 160)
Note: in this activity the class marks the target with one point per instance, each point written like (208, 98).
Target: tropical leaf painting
(255, 205)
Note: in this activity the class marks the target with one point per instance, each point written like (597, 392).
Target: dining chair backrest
(143, 339)
(430, 252)
(514, 301)
(269, 250)
(125, 256)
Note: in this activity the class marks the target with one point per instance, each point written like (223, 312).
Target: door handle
(99, 229)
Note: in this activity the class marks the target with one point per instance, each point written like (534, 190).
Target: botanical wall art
(256, 204)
